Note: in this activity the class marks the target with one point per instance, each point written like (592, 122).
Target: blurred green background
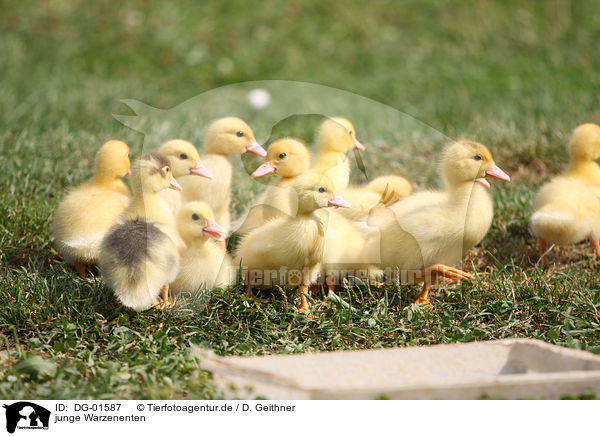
(517, 76)
(462, 67)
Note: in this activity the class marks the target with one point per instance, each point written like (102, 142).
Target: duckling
(289, 250)
(184, 160)
(425, 232)
(224, 137)
(567, 208)
(335, 138)
(139, 256)
(204, 263)
(287, 158)
(88, 212)
(382, 191)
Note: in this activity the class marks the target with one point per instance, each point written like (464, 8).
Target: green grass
(517, 77)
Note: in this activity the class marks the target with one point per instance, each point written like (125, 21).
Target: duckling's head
(585, 142)
(315, 191)
(337, 134)
(184, 158)
(152, 173)
(196, 220)
(112, 160)
(286, 158)
(466, 161)
(231, 136)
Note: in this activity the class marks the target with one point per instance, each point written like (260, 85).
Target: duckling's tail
(558, 228)
(391, 187)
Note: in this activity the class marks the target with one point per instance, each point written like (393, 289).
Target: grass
(517, 77)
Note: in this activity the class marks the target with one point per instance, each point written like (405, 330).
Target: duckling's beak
(338, 201)
(483, 182)
(497, 173)
(358, 145)
(174, 185)
(255, 148)
(213, 230)
(264, 170)
(201, 170)
(128, 173)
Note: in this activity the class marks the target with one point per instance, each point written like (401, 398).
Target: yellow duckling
(204, 263)
(567, 209)
(86, 213)
(289, 250)
(287, 158)
(224, 137)
(335, 138)
(425, 232)
(184, 160)
(139, 256)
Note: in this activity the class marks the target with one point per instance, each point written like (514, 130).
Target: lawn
(515, 76)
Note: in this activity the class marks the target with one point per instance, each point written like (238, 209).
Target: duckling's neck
(584, 169)
(114, 184)
(151, 207)
(328, 158)
(467, 193)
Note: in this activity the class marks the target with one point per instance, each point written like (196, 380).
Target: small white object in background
(259, 98)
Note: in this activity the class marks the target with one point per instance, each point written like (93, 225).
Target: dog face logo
(26, 415)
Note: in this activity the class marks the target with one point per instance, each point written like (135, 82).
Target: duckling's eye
(350, 132)
(240, 134)
(195, 217)
(183, 156)
(282, 156)
(477, 157)
(167, 169)
(321, 189)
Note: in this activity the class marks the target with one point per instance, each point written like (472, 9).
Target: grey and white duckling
(139, 256)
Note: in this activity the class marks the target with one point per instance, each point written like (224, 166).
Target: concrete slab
(511, 368)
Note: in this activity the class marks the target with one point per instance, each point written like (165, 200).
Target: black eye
(477, 157)
(183, 156)
(167, 169)
(321, 189)
(195, 217)
(240, 134)
(282, 156)
(350, 132)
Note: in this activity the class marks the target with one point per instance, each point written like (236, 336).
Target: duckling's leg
(303, 306)
(249, 292)
(544, 247)
(447, 272)
(443, 271)
(423, 297)
(596, 247)
(163, 302)
(80, 267)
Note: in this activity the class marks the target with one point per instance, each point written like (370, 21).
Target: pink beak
(483, 182)
(176, 186)
(497, 173)
(128, 173)
(338, 201)
(358, 145)
(264, 170)
(215, 231)
(255, 148)
(201, 170)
